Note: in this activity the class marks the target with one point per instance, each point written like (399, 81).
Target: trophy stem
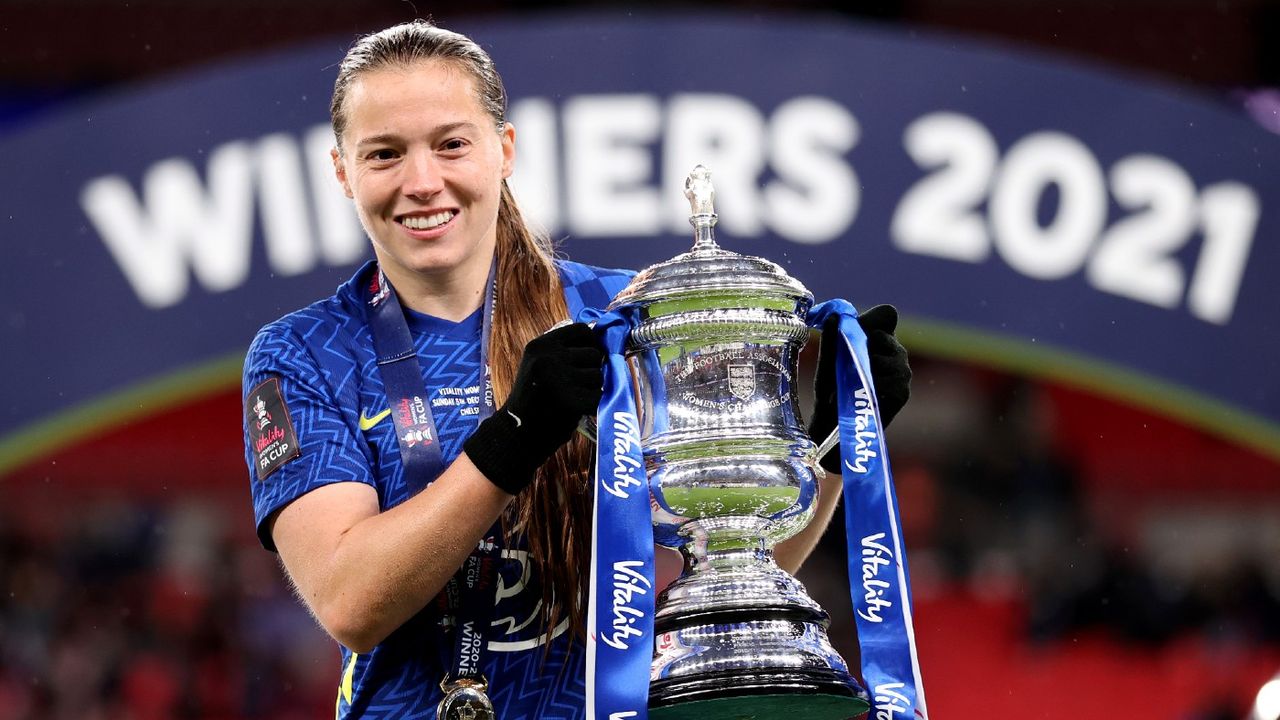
(703, 236)
(749, 552)
(739, 578)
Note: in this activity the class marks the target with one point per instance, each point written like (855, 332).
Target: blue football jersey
(316, 413)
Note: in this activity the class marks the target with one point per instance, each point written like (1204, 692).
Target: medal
(465, 699)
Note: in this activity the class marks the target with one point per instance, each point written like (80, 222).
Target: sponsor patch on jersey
(271, 432)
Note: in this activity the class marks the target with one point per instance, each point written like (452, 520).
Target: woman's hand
(559, 380)
(890, 373)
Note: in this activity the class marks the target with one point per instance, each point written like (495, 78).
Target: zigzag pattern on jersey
(396, 683)
(323, 355)
(522, 687)
(448, 362)
(330, 451)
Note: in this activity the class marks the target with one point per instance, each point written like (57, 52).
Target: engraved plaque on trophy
(713, 353)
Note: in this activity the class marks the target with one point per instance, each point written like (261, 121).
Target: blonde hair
(554, 512)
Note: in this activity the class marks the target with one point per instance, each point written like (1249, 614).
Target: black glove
(559, 380)
(890, 373)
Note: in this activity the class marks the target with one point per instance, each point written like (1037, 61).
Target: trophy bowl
(713, 353)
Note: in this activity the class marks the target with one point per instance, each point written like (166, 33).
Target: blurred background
(1088, 470)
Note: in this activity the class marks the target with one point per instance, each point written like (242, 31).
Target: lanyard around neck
(407, 394)
(469, 594)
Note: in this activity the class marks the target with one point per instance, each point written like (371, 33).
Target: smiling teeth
(417, 222)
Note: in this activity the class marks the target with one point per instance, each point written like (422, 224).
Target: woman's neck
(452, 296)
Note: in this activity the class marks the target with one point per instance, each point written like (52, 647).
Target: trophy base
(748, 695)
(738, 639)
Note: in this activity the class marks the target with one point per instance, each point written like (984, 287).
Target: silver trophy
(713, 353)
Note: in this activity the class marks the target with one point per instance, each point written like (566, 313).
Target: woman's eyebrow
(381, 139)
(389, 138)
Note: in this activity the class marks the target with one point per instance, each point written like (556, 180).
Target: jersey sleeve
(297, 434)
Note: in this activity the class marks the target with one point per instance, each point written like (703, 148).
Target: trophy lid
(707, 269)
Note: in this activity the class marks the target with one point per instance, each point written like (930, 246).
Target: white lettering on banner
(1058, 249)
(875, 556)
(609, 164)
(724, 133)
(1139, 256)
(286, 229)
(818, 195)
(627, 583)
(620, 170)
(626, 441)
(537, 177)
(181, 226)
(178, 221)
(342, 240)
(864, 431)
(610, 171)
(623, 715)
(889, 702)
(930, 219)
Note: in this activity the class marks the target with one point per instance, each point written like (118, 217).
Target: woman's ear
(340, 171)
(508, 150)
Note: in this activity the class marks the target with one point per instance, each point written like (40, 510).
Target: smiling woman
(424, 164)
(446, 550)
(469, 509)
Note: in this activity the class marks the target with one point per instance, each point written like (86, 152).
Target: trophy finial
(701, 195)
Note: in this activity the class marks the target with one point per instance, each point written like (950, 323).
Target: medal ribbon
(470, 596)
(620, 613)
(407, 395)
(469, 593)
(878, 581)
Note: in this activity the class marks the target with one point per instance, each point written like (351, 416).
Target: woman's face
(424, 164)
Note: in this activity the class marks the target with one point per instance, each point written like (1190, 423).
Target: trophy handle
(827, 445)
(587, 427)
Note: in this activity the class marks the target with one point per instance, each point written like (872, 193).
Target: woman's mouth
(427, 222)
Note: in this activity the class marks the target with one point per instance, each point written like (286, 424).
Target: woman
(405, 488)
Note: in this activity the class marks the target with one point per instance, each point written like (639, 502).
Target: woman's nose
(422, 175)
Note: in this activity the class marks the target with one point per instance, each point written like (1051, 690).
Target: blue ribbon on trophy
(878, 581)
(620, 614)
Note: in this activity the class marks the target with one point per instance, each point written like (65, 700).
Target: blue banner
(1021, 210)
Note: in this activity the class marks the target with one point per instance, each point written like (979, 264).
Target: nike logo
(367, 423)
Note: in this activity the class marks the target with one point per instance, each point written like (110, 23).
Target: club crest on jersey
(272, 439)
